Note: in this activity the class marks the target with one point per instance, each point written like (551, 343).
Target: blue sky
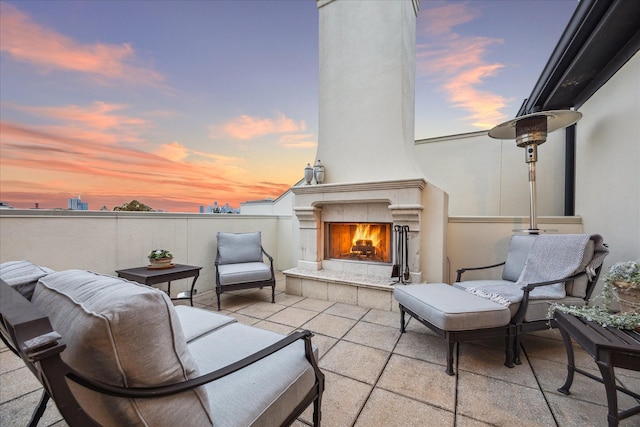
(182, 103)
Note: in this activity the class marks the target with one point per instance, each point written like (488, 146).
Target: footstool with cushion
(455, 315)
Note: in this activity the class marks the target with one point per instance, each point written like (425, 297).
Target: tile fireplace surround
(414, 203)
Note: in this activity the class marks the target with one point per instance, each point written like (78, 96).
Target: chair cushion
(23, 275)
(517, 256)
(197, 322)
(243, 273)
(125, 334)
(262, 394)
(236, 248)
(452, 309)
(539, 309)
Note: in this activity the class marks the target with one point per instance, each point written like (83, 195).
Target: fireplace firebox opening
(358, 241)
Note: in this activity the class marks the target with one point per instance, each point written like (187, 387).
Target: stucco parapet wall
(341, 278)
(416, 4)
(516, 219)
(63, 213)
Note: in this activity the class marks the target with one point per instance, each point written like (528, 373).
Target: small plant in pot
(160, 258)
(623, 282)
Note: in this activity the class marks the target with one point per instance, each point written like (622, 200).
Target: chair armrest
(524, 305)
(266, 254)
(531, 286)
(462, 270)
(167, 390)
(27, 332)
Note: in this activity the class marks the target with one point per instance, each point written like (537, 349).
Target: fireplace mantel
(404, 184)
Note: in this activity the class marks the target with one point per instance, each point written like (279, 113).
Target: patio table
(609, 347)
(152, 277)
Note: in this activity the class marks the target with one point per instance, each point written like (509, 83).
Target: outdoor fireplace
(372, 64)
(358, 241)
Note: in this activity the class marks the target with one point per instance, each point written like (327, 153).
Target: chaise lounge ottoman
(455, 315)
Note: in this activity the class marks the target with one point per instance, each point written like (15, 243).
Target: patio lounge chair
(557, 268)
(240, 264)
(538, 271)
(111, 352)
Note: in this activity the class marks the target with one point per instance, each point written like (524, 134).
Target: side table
(152, 277)
(609, 347)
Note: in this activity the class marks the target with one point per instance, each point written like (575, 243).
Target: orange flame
(371, 232)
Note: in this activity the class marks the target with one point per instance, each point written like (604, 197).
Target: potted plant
(623, 282)
(160, 258)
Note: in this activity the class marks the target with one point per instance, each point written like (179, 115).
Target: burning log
(364, 248)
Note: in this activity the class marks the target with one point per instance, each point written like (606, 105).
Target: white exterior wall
(108, 241)
(608, 163)
(489, 177)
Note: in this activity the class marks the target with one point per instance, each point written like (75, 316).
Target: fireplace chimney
(367, 90)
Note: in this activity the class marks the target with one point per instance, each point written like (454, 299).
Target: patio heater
(529, 131)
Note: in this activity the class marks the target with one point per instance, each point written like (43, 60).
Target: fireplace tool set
(401, 266)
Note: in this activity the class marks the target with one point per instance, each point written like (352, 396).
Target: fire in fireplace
(358, 241)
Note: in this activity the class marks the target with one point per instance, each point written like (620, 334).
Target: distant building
(5, 205)
(78, 205)
(215, 208)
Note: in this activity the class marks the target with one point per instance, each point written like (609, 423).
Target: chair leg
(218, 295)
(401, 320)
(273, 293)
(451, 343)
(516, 349)
(317, 414)
(509, 354)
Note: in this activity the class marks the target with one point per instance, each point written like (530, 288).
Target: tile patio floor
(377, 377)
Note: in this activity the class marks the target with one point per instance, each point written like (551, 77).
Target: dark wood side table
(152, 277)
(609, 347)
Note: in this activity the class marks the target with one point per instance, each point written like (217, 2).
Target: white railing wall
(107, 241)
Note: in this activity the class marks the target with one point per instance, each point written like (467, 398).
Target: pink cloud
(173, 151)
(484, 106)
(247, 127)
(459, 62)
(176, 151)
(299, 141)
(26, 41)
(99, 115)
(72, 160)
(440, 19)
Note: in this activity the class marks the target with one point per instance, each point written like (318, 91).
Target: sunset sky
(182, 103)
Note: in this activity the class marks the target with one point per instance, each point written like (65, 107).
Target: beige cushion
(197, 322)
(234, 248)
(125, 334)
(450, 308)
(262, 394)
(246, 272)
(23, 275)
(538, 309)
